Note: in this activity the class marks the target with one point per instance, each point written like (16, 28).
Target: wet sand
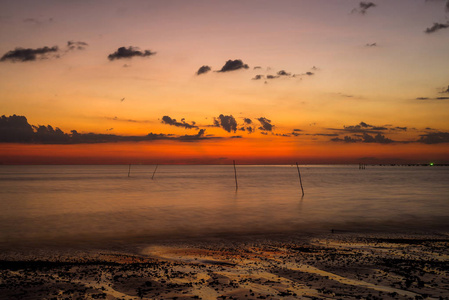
(333, 266)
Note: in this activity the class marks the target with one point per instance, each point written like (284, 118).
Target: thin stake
(152, 177)
(129, 170)
(235, 175)
(300, 181)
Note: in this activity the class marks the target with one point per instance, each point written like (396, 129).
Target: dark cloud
(371, 45)
(232, 65)
(129, 52)
(272, 77)
(203, 70)
(297, 130)
(367, 133)
(365, 138)
(434, 138)
(258, 77)
(346, 139)
(435, 27)
(379, 139)
(447, 5)
(29, 54)
(446, 90)
(48, 135)
(72, 45)
(362, 127)
(257, 67)
(173, 122)
(228, 123)
(247, 121)
(309, 73)
(363, 7)
(283, 73)
(16, 129)
(197, 137)
(265, 124)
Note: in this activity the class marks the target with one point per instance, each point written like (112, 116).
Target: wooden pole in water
(300, 181)
(129, 170)
(235, 175)
(152, 177)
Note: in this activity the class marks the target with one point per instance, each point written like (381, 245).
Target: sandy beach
(337, 265)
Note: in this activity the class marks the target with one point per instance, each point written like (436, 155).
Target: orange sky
(316, 81)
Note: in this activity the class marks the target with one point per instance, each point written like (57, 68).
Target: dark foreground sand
(336, 266)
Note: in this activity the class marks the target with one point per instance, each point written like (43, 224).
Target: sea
(112, 204)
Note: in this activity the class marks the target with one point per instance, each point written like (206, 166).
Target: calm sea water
(82, 204)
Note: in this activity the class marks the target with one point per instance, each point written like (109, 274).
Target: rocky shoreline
(335, 266)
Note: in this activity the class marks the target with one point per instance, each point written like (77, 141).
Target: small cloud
(228, 123)
(371, 45)
(363, 7)
(257, 67)
(203, 70)
(129, 52)
(309, 73)
(169, 121)
(265, 124)
(247, 121)
(72, 45)
(446, 90)
(283, 73)
(232, 65)
(29, 54)
(435, 27)
(258, 77)
(272, 77)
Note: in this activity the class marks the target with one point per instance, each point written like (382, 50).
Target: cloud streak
(29, 54)
(169, 121)
(436, 27)
(130, 52)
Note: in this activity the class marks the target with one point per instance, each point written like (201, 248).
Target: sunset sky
(190, 81)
